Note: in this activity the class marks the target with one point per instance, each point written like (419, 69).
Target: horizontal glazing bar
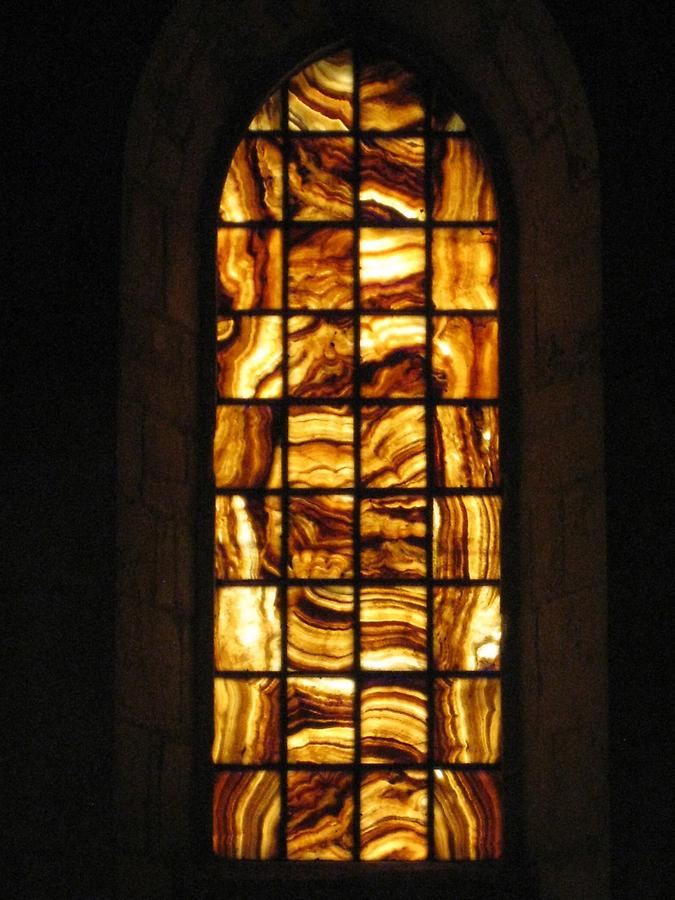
(350, 224)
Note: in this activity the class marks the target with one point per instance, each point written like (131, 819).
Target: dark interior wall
(75, 68)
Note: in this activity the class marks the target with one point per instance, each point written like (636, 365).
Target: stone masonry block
(164, 452)
(584, 511)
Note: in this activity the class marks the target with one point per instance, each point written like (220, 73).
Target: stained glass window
(357, 705)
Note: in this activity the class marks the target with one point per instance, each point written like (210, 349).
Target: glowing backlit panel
(356, 458)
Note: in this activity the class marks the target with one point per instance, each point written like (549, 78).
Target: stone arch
(210, 68)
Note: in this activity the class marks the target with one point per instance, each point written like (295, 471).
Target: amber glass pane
(320, 629)
(392, 356)
(394, 815)
(321, 268)
(321, 446)
(462, 188)
(391, 97)
(464, 268)
(320, 815)
(320, 720)
(466, 539)
(393, 721)
(246, 811)
(467, 628)
(321, 178)
(253, 187)
(249, 357)
(320, 356)
(392, 262)
(392, 179)
(247, 630)
(465, 357)
(467, 815)
(393, 531)
(467, 721)
(444, 117)
(268, 117)
(245, 453)
(249, 269)
(320, 97)
(320, 537)
(393, 448)
(393, 627)
(466, 446)
(247, 537)
(246, 720)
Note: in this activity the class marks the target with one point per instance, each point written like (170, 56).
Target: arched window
(357, 710)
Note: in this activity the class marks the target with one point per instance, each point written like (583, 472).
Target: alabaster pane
(466, 446)
(444, 117)
(321, 268)
(393, 721)
(320, 720)
(462, 187)
(393, 627)
(466, 537)
(394, 815)
(247, 539)
(320, 537)
(246, 628)
(392, 350)
(268, 117)
(249, 357)
(245, 720)
(393, 531)
(391, 98)
(467, 720)
(320, 446)
(254, 184)
(392, 179)
(393, 446)
(320, 356)
(465, 274)
(467, 628)
(320, 627)
(465, 357)
(245, 451)
(392, 263)
(320, 178)
(320, 96)
(320, 815)
(249, 269)
(246, 812)
(467, 815)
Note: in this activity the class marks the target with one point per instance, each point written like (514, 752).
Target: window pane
(245, 449)
(466, 537)
(467, 628)
(320, 720)
(393, 446)
(320, 537)
(320, 815)
(392, 179)
(467, 815)
(464, 268)
(394, 815)
(246, 811)
(466, 446)
(467, 721)
(249, 357)
(320, 268)
(320, 627)
(462, 188)
(320, 97)
(320, 356)
(393, 627)
(249, 269)
(253, 188)
(393, 531)
(320, 446)
(391, 97)
(247, 537)
(247, 628)
(392, 356)
(392, 262)
(246, 720)
(465, 357)
(321, 178)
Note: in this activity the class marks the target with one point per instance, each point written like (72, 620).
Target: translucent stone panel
(391, 98)
(247, 537)
(467, 815)
(320, 356)
(320, 97)
(392, 263)
(467, 721)
(466, 446)
(467, 628)
(321, 268)
(394, 815)
(466, 357)
(320, 720)
(466, 540)
(249, 269)
(392, 179)
(320, 815)
(444, 117)
(245, 452)
(321, 178)
(245, 720)
(393, 627)
(393, 721)
(392, 356)
(462, 188)
(465, 272)
(246, 812)
(246, 628)
(249, 357)
(393, 531)
(254, 185)
(320, 537)
(321, 446)
(268, 117)
(393, 446)
(320, 629)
